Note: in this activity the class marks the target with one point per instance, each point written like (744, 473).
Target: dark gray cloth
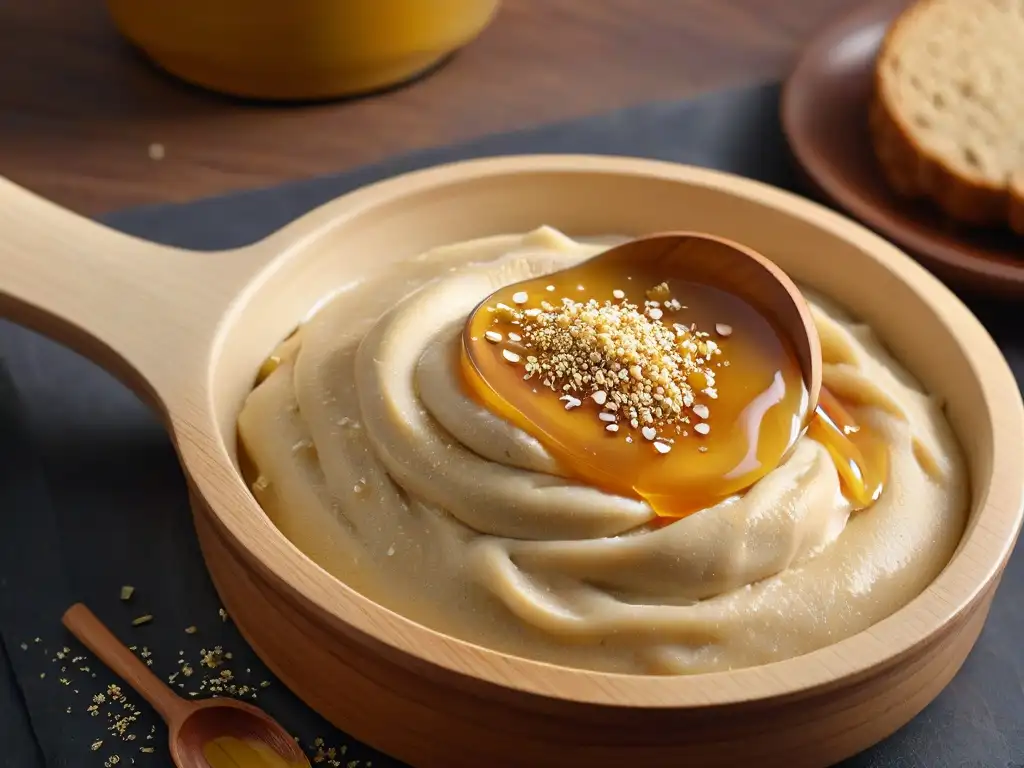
(92, 498)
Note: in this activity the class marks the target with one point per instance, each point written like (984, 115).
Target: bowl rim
(978, 560)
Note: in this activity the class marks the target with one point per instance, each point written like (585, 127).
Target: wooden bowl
(189, 331)
(825, 118)
(299, 49)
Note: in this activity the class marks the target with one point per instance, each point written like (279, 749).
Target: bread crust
(913, 172)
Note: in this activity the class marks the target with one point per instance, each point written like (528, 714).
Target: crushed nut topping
(639, 370)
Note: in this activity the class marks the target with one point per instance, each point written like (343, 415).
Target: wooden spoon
(213, 733)
(741, 271)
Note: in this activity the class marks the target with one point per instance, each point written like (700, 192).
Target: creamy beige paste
(372, 461)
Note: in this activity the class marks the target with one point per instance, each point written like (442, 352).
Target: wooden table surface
(79, 109)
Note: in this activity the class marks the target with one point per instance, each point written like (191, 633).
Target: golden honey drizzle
(231, 752)
(732, 434)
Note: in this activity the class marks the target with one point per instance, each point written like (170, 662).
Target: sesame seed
(606, 416)
(702, 428)
(551, 288)
(515, 337)
(492, 336)
(612, 427)
(701, 410)
(618, 354)
(618, 294)
(722, 329)
(520, 297)
(662, 448)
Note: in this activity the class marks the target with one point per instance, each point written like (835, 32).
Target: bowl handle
(148, 313)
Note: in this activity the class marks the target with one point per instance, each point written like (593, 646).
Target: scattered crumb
(142, 620)
(126, 592)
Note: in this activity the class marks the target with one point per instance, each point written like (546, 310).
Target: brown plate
(824, 116)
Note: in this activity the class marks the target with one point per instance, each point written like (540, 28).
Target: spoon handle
(95, 636)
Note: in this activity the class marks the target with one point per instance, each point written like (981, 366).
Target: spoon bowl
(213, 733)
(741, 271)
(703, 439)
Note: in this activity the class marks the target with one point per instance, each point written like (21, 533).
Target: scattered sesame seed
(618, 294)
(551, 288)
(649, 433)
(619, 355)
(190, 630)
(520, 297)
(606, 416)
(515, 337)
(722, 329)
(96, 745)
(701, 410)
(492, 336)
(612, 427)
(662, 448)
(702, 428)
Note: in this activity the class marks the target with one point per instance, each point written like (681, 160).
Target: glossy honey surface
(748, 408)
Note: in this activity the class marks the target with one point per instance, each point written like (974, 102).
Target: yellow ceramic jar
(299, 49)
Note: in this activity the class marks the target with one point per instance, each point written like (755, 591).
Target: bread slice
(947, 113)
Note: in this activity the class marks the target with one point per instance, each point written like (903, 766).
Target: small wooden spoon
(741, 271)
(192, 725)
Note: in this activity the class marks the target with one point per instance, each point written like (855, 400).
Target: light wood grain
(79, 109)
(190, 724)
(408, 690)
